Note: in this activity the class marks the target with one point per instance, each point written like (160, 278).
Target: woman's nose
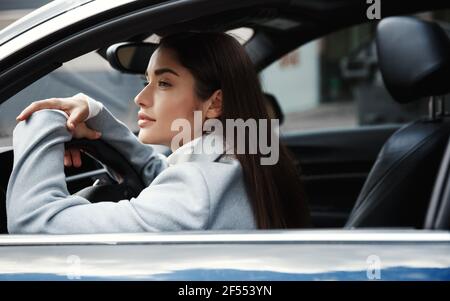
(144, 98)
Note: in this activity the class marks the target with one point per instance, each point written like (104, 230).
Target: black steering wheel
(125, 180)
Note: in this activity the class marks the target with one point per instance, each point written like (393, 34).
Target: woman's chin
(147, 138)
(144, 137)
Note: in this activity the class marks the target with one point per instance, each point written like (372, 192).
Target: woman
(189, 72)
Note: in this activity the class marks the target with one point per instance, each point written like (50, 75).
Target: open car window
(90, 74)
(308, 89)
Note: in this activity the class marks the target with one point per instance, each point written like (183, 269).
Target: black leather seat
(414, 59)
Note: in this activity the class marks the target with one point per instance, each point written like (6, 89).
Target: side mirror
(273, 107)
(130, 57)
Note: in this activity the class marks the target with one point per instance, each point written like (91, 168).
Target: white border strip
(288, 236)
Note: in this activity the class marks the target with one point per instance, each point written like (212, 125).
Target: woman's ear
(214, 110)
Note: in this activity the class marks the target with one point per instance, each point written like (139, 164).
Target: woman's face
(169, 95)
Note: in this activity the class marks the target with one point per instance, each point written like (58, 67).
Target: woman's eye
(164, 84)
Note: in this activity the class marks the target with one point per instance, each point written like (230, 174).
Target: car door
(334, 165)
(254, 256)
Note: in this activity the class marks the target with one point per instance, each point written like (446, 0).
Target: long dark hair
(218, 61)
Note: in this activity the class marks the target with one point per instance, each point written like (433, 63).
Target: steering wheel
(125, 181)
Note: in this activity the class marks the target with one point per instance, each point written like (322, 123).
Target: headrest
(414, 58)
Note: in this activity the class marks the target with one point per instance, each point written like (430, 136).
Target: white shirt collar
(208, 147)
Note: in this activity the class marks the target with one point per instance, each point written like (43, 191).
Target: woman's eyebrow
(161, 71)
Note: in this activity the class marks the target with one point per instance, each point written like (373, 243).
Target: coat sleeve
(142, 157)
(38, 200)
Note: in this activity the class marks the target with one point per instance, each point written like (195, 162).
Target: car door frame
(229, 255)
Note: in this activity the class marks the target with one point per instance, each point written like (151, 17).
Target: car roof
(38, 16)
(49, 19)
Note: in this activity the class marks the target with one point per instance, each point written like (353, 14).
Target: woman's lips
(144, 120)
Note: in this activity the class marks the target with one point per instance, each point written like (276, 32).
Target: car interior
(386, 176)
(397, 190)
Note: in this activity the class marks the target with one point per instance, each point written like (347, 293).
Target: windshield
(44, 13)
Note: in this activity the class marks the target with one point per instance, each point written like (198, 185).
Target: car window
(90, 74)
(334, 82)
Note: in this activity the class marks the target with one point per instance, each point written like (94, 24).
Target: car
(347, 171)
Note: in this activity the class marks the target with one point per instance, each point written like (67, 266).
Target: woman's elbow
(15, 228)
(18, 225)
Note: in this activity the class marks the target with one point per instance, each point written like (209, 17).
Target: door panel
(334, 165)
(227, 255)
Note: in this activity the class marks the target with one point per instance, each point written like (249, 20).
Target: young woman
(188, 73)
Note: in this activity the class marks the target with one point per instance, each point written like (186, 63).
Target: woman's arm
(38, 200)
(80, 110)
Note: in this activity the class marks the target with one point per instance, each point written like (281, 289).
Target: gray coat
(185, 192)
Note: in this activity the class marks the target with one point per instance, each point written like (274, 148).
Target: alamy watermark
(74, 267)
(373, 271)
(374, 10)
(236, 136)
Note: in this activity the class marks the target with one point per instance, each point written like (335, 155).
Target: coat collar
(207, 148)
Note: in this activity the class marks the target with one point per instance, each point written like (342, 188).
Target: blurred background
(11, 10)
(340, 83)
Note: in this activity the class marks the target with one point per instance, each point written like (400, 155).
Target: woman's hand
(72, 156)
(77, 109)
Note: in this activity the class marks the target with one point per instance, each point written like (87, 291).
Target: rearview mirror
(130, 57)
